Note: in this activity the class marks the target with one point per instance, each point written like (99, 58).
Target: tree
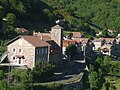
(26, 80)
(11, 18)
(23, 77)
(2, 13)
(100, 72)
(42, 71)
(1, 74)
(71, 50)
(105, 33)
(112, 87)
(107, 85)
(99, 60)
(91, 68)
(3, 85)
(93, 80)
(106, 60)
(21, 8)
(48, 15)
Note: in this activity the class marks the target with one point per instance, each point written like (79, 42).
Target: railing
(4, 55)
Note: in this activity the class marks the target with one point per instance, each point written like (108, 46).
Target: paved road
(69, 70)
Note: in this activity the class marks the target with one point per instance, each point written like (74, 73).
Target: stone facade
(26, 50)
(21, 52)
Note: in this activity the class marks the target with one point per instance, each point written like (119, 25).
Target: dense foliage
(101, 68)
(84, 15)
(42, 71)
(71, 51)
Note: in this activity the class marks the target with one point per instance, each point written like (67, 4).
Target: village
(67, 51)
(24, 50)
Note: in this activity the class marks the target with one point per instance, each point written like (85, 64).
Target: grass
(114, 81)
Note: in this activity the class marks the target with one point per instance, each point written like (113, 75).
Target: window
(19, 61)
(13, 50)
(46, 51)
(43, 58)
(13, 58)
(39, 51)
(20, 50)
(42, 50)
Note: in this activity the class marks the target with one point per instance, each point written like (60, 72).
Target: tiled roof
(46, 38)
(22, 30)
(98, 39)
(76, 34)
(54, 49)
(101, 39)
(67, 42)
(35, 41)
(109, 39)
(84, 40)
(57, 27)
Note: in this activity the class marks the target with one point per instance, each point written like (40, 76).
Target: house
(106, 49)
(118, 35)
(76, 36)
(98, 42)
(108, 46)
(66, 43)
(22, 31)
(27, 49)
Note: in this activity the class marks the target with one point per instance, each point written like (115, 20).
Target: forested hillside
(86, 16)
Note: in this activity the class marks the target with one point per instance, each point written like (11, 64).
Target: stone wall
(27, 53)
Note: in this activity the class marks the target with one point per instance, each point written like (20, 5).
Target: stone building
(26, 50)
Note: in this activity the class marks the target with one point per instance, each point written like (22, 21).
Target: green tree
(48, 15)
(2, 12)
(3, 85)
(107, 85)
(21, 8)
(11, 19)
(23, 77)
(1, 74)
(106, 60)
(42, 71)
(71, 50)
(94, 80)
(26, 80)
(91, 68)
(99, 60)
(112, 87)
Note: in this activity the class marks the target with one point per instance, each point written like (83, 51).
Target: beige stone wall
(56, 35)
(27, 51)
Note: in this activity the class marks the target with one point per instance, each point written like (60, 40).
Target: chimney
(41, 37)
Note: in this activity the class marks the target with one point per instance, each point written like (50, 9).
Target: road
(69, 70)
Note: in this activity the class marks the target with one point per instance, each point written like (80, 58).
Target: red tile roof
(84, 40)
(67, 42)
(108, 40)
(76, 34)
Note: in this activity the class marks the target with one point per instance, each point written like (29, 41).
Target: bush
(42, 71)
